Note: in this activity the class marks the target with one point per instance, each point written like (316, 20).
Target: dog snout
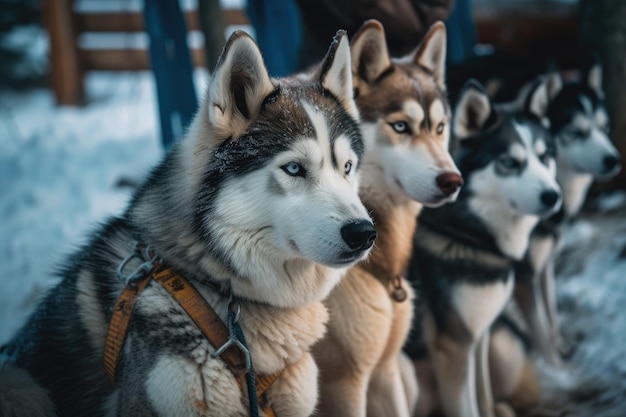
(611, 162)
(449, 182)
(359, 235)
(549, 198)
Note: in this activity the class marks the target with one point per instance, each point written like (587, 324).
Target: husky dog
(405, 123)
(580, 124)
(259, 203)
(464, 251)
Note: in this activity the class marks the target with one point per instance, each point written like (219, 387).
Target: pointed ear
(431, 53)
(554, 84)
(335, 74)
(538, 99)
(238, 86)
(472, 110)
(594, 79)
(370, 56)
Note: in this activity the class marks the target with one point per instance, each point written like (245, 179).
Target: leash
(229, 339)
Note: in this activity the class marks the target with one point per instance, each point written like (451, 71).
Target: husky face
(269, 188)
(405, 115)
(580, 124)
(296, 191)
(304, 196)
(508, 160)
(516, 162)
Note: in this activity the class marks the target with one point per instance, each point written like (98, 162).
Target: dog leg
(483, 380)
(428, 399)
(456, 376)
(386, 394)
(409, 381)
(530, 299)
(344, 396)
(548, 286)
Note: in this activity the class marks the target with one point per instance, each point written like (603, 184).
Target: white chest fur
(479, 305)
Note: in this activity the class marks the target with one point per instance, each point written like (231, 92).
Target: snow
(58, 172)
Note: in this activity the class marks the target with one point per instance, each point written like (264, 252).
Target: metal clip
(234, 311)
(142, 270)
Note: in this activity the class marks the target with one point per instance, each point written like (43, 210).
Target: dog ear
(472, 111)
(335, 74)
(593, 78)
(554, 84)
(370, 57)
(538, 99)
(431, 53)
(238, 86)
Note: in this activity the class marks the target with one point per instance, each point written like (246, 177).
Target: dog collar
(393, 284)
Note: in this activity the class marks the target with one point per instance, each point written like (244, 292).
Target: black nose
(449, 182)
(549, 198)
(359, 235)
(610, 162)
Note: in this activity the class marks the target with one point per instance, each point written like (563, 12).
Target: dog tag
(398, 294)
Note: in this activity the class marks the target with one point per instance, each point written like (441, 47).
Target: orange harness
(202, 315)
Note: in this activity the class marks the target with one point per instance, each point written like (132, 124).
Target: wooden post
(603, 28)
(212, 23)
(66, 73)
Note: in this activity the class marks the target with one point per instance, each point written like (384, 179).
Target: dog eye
(509, 162)
(400, 127)
(347, 167)
(440, 128)
(294, 169)
(579, 134)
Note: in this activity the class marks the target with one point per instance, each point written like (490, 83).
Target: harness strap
(118, 328)
(200, 312)
(207, 320)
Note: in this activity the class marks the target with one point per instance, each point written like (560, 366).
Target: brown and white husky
(405, 121)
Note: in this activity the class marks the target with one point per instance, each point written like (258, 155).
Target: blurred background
(93, 92)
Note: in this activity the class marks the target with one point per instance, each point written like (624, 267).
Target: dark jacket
(405, 21)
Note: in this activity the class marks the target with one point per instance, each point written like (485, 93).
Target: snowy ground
(591, 285)
(59, 173)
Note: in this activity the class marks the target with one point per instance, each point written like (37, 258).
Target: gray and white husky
(258, 202)
(464, 251)
(580, 124)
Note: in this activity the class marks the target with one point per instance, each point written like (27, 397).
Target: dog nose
(359, 235)
(449, 182)
(549, 198)
(610, 162)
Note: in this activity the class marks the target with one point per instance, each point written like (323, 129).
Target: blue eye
(347, 167)
(509, 162)
(294, 169)
(400, 127)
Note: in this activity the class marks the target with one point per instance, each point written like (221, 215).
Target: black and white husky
(464, 251)
(580, 125)
(258, 202)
